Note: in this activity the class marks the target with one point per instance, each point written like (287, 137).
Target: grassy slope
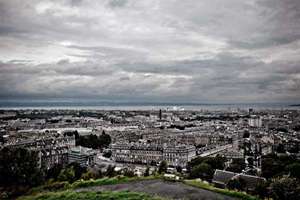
(66, 188)
(232, 193)
(56, 186)
(71, 195)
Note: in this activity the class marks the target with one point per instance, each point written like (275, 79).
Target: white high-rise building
(255, 121)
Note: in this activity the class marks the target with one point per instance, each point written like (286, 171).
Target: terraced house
(141, 153)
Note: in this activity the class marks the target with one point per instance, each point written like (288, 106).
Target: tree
(163, 166)
(280, 148)
(215, 162)
(19, 166)
(250, 161)
(67, 174)
(94, 141)
(261, 189)
(128, 172)
(236, 184)
(271, 166)
(285, 188)
(237, 165)
(282, 129)
(104, 139)
(110, 171)
(204, 171)
(147, 172)
(100, 174)
(78, 170)
(294, 170)
(71, 133)
(179, 169)
(89, 175)
(196, 161)
(274, 166)
(107, 154)
(246, 134)
(53, 172)
(296, 128)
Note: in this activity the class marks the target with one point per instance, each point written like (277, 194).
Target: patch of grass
(56, 186)
(107, 195)
(108, 181)
(232, 193)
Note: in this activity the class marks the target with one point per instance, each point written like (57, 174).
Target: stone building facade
(52, 150)
(140, 153)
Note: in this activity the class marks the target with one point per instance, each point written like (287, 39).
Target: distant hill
(295, 105)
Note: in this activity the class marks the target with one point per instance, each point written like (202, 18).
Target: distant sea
(114, 105)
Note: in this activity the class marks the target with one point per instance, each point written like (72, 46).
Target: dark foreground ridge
(170, 190)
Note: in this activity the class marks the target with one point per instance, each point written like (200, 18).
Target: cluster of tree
(237, 165)
(85, 113)
(246, 134)
(282, 129)
(282, 149)
(147, 171)
(296, 128)
(204, 167)
(236, 184)
(163, 167)
(107, 154)
(283, 178)
(94, 141)
(70, 173)
(179, 127)
(281, 188)
(19, 170)
(275, 166)
(19, 167)
(284, 188)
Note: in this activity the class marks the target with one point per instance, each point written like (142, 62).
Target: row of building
(56, 151)
(143, 153)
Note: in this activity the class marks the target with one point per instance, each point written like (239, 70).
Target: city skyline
(151, 51)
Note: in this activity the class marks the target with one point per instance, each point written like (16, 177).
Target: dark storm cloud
(212, 51)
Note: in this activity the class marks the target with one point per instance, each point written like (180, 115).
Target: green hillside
(107, 195)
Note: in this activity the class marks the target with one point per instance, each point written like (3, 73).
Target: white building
(255, 122)
(83, 156)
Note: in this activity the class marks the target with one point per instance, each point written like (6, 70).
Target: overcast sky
(220, 51)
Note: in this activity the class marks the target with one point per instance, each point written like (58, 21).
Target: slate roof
(251, 181)
(223, 177)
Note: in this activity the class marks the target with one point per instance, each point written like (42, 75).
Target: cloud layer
(162, 50)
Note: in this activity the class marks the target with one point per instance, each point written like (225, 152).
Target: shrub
(162, 167)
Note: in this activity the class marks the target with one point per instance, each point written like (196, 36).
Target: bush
(19, 166)
(107, 154)
(294, 170)
(163, 166)
(236, 184)
(110, 171)
(285, 188)
(128, 173)
(56, 186)
(89, 175)
(261, 190)
(215, 162)
(147, 172)
(67, 174)
(203, 171)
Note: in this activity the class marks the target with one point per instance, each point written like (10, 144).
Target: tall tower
(160, 114)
